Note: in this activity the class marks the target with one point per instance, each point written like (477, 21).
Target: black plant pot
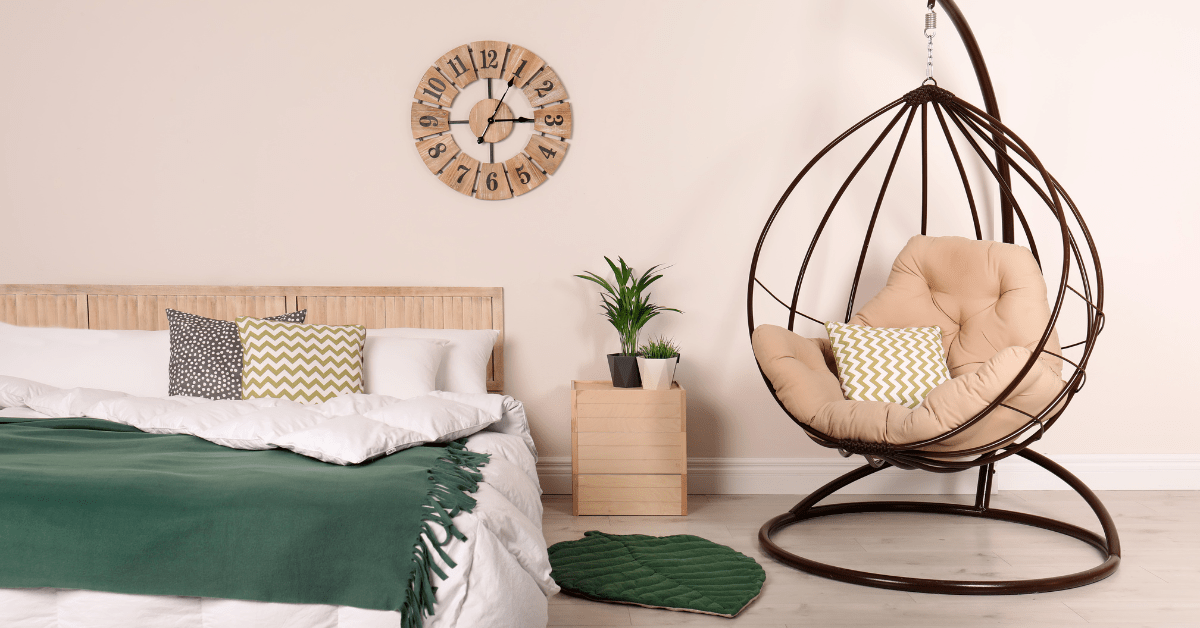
(624, 371)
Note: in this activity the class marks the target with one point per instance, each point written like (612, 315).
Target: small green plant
(660, 348)
(623, 302)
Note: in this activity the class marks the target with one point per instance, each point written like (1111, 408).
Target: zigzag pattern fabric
(894, 365)
(304, 363)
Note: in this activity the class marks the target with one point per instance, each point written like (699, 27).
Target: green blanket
(90, 504)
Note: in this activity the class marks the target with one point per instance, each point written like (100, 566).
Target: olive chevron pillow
(881, 364)
(304, 363)
(206, 355)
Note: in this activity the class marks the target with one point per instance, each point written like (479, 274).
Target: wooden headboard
(144, 307)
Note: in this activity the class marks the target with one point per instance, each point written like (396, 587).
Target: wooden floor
(1158, 583)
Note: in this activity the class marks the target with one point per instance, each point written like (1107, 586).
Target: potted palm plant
(627, 306)
(657, 360)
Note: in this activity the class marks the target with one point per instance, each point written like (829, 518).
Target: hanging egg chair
(1011, 380)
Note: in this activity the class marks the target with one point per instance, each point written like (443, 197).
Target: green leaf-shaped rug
(680, 573)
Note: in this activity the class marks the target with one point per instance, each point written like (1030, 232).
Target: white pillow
(133, 362)
(464, 367)
(402, 367)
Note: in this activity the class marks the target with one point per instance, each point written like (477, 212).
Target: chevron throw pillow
(881, 364)
(305, 363)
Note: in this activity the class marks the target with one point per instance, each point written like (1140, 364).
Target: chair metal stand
(1109, 545)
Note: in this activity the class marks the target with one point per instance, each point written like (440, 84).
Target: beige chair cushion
(986, 296)
(989, 299)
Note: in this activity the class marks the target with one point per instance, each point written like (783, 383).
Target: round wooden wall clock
(511, 122)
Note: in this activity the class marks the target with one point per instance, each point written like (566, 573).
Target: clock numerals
(547, 152)
(521, 66)
(493, 185)
(457, 65)
(434, 88)
(489, 58)
(460, 174)
(428, 120)
(555, 119)
(523, 174)
(545, 88)
(436, 152)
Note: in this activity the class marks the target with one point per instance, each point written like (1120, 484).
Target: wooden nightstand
(628, 450)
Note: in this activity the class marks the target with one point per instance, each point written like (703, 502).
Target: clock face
(491, 120)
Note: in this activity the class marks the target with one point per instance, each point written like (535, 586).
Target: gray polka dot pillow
(206, 355)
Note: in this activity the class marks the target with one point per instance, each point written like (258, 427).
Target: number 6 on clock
(492, 184)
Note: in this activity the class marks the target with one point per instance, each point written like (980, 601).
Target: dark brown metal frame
(983, 133)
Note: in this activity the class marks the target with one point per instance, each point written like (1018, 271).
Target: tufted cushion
(986, 296)
(989, 299)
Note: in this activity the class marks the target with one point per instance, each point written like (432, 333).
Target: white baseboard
(1107, 472)
(800, 476)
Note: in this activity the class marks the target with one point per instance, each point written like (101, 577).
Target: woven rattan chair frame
(1003, 153)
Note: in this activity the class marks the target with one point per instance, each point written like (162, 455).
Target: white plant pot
(657, 374)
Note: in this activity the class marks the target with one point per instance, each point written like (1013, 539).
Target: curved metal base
(1109, 545)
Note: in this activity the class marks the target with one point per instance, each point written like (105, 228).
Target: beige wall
(240, 142)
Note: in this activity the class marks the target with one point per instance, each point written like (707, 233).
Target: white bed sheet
(502, 577)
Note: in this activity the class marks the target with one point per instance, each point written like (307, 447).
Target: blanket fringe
(453, 478)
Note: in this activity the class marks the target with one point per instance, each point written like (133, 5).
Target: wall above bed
(269, 143)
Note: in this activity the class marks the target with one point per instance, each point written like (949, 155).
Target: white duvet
(502, 577)
(349, 429)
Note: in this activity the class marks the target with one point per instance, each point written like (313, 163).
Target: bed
(496, 574)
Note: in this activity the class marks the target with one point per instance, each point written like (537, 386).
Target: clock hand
(521, 119)
(493, 116)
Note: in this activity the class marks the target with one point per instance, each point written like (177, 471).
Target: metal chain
(930, 31)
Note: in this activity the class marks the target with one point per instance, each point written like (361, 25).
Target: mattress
(501, 577)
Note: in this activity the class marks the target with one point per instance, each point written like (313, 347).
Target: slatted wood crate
(628, 450)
